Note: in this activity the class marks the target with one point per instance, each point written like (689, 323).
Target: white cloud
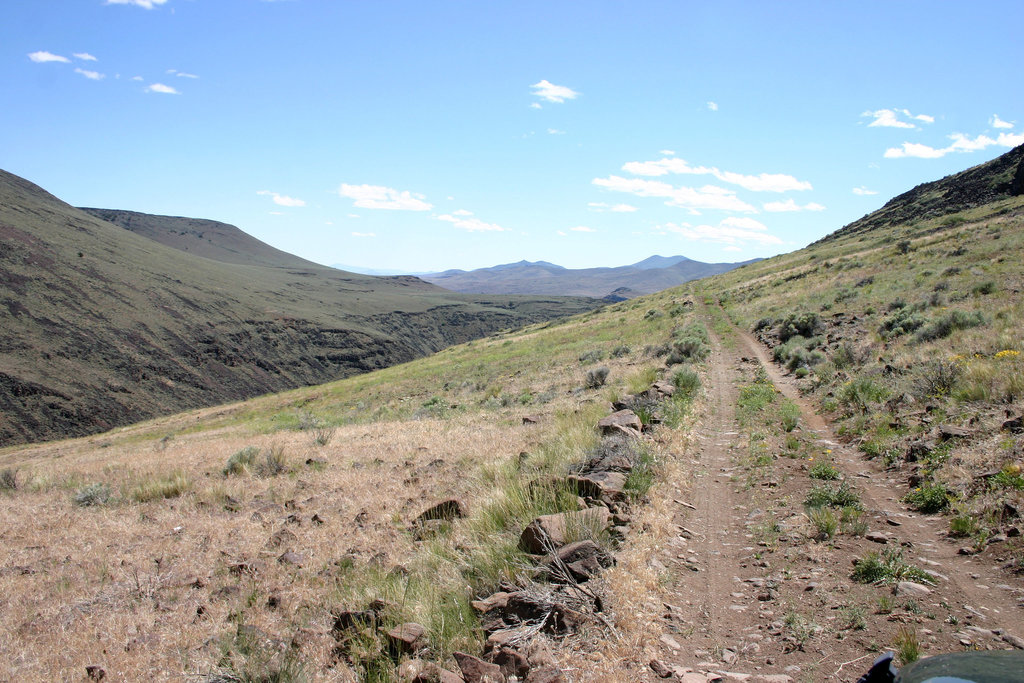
(85, 57)
(730, 231)
(912, 149)
(961, 143)
(161, 88)
(890, 118)
(713, 106)
(276, 213)
(535, 105)
(997, 122)
(555, 131)
(282, 200)
(582, 228)
(550, 92)
(561, 233)
(667, 152)
(614, 208)
(763, 182)
(462, 212)
(44, 56)
(863, 191)
(181, 74)
(790, 205)
(147, 4)
(1010, 139)
(692, 199)
(91, 75)
(378, 197)
(364, 234)
(137, 78)
(731, 248)
(470, 224)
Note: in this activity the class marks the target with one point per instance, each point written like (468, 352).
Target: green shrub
(687, 382)
(860, 393)
(929, 498)
(591, 356)
(889, 567)
(950, 323)
(242, 461)
(158, 488)
(842, 496)
(274, 462)
(803, 324)
(8, 479)
(824, 470)
(620, 351)
(789, 412)
(984, 288)
(93, 495)
(902, 321)
(596, 378)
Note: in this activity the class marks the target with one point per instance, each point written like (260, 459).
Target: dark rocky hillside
(1001, 178)
(102, 326)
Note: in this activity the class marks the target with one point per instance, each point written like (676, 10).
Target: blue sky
(422, 136)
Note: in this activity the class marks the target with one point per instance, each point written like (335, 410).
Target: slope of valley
(108, 323)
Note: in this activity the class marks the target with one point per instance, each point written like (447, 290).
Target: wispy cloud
(549, 92)
(733, 231)
(282, 200)
(614, 208)
(890, 118)
(997, 122)
(84, 56)
(464, 220)
(789, 205)
(863, 191)
(364, 234)
(181, 74)
(763, 182)
(161, 88)
(379, 197)
(961, 143)
(43, 56)
(146, 4)
(692, 199)
(91, 75)
(713, 106)
(555, 131)
(667, 152)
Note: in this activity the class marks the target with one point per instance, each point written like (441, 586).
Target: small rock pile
(566, 558)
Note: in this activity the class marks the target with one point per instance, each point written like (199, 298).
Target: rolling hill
(111, 317)
(540, 277)
(839, 471)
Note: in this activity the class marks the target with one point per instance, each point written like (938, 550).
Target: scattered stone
(406, 638)
(729, 656)
(95, 673)
(531, 419)
(659, 669)
(513, 663)
(292, 558)
(476, 670)
(553, 531)
(1016, 425)
(892, 522)
(583, 560)
(281, 538)
(545, 674)
(449, 509)
(877, 537)
(608, 486)
(966, 550)
(350, 620)
(317, 520)
(947, 432)
(912, 589)
(663, 388)
(621, 422)
(496, 600)
(1014, 641)
(670, 642)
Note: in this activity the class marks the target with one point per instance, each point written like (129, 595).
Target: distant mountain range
(110, 317)
(653, 274)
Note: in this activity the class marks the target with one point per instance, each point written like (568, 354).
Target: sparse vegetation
(888, 567)
(596, 377)
(159, 487)
(93, 495)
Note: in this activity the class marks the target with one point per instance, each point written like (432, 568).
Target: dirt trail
(753, 597)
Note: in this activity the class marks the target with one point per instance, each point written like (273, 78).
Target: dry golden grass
(158, 589)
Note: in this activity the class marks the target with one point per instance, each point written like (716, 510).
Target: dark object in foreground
(1001, 666)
